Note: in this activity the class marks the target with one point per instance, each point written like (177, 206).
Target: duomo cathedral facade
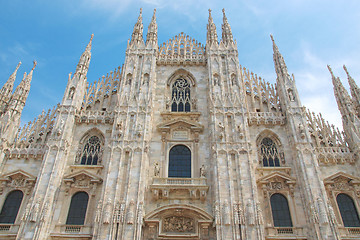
(181, 142)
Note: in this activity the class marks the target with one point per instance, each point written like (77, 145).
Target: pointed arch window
(348, 211)
(180, 96)
(91, 154)
(269, 153)
(180, 162)
(280, 211)
(77, 209)
(11, 207)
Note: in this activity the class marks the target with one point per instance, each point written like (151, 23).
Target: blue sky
(309, 34)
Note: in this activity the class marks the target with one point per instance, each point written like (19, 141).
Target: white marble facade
(117, 147)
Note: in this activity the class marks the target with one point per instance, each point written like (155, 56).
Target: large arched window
(11, 207)
(180, 96)
(77, 209)
(180, 162)
(91, 152)
(280, 211)
(348, 211)
(269, 153)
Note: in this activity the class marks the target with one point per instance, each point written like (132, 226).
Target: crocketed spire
(227, 36)
(83, 65)
(151, 37)
(279, 61)
(6, 90)
(354, 89)
(211, 31)
(342, 97)
(137, 35)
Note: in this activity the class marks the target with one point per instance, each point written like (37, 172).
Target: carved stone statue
(202, 171)
(156, 169)
(217, 213)
(98, 212)
(36, 211)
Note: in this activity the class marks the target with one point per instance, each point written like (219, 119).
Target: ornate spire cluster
(151, 37)
(6, 90)
(137, 35)
(227, 36)
(348, 109)
(84, 62)
(342, 97)
(212, 36)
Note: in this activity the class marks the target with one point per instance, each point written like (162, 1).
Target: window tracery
(180, 96)
(269, 153)
(92, 152)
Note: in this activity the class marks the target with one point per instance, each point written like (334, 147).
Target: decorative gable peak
(181, 50)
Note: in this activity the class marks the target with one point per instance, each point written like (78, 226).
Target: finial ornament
(272, 38)
(35, 63)
(330, 70)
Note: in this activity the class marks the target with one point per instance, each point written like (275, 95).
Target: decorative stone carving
(259, 215)
(131, 212)
(302, 131)
(81, 180)
(177, 224)
(35, 211)
(322, 213)
(227, 214)
(249, 213)
(140, 213)
(17, 180)
(217, 213)
(107, 212)
(27, 210)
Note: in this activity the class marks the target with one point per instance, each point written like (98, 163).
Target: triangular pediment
(176, 123)
(277, 176)
(82, 175)
(342, 177)
(17, 174)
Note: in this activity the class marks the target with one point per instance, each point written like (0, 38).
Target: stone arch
(181, 73)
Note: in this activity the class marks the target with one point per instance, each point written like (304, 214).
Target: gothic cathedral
(181, 142)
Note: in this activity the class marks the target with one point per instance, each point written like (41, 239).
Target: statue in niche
(216, 80)
(156, 169)
(202, 171)
(233, 80)
(221, 126)
(302, 131)
(291, 95)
